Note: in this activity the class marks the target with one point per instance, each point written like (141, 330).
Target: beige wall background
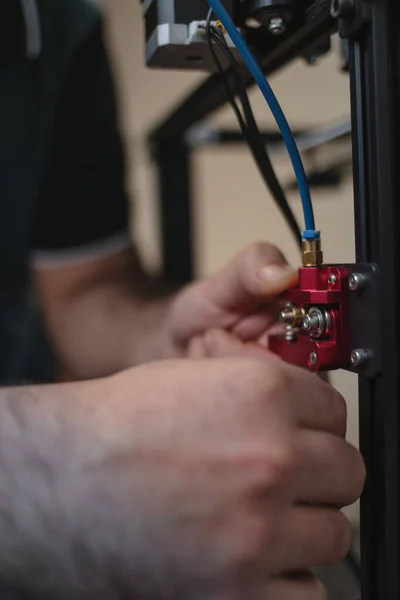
(233, 208)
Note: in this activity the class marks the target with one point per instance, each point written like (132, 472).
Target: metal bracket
(352, 16)
(364, 321)
(332, 320)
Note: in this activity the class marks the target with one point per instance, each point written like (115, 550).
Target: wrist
(38, 429)
(152, 337)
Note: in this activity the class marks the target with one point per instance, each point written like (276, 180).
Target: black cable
(232, 102)
(249, 127)
(253, 137)
(251, 132)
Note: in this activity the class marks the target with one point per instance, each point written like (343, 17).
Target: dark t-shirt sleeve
(82, 200)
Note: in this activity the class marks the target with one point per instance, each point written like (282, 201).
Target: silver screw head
(332, 279)
(313, 358)
(277, 26)
(359, 357)
(356, 281)
(290, 334)
(318, 322)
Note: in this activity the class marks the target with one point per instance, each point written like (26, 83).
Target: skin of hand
(202, 479)
(105, 315)
(233, 310)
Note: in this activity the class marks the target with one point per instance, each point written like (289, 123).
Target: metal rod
(204, 135)
(173, 162)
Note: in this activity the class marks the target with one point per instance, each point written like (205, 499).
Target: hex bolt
(359, 358)
(332, 279)
(277, 26)
(311, 322)
(313, 358)
(356, 281)
(290, 334)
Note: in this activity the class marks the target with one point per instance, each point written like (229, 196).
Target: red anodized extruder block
(325, 289)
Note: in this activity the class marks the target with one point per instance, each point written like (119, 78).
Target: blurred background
(232, 206)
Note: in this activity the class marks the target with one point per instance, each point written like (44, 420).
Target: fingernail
(276, 273)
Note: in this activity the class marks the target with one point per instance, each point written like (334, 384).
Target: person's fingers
(307, 588)
(315, 404)
(312, 537)
(249, 281)
(308, 402)
(196, 348)
(257, 274)
(274, 329)
(219, 343)
(328, 470)
(251, 327)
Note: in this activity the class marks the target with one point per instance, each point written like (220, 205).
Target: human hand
(232, 310)
(197, 479)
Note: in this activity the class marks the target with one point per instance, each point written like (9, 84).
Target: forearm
(107, 316)
(40, 467)
(111, 327)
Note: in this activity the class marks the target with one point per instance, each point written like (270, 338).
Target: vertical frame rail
(375, 87)
(172, 158)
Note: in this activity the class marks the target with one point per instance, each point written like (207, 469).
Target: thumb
(252, 279)
(257, 274)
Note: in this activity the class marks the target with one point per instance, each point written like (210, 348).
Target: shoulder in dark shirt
(61, 167)
(82, 197)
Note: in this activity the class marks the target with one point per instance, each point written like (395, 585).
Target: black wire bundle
(248, 124)
(252, 135)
